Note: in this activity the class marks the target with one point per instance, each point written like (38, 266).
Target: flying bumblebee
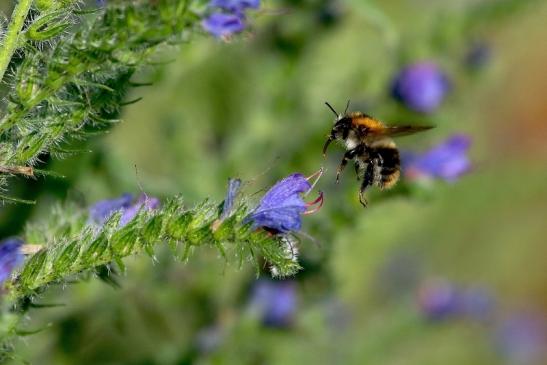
(368, 143)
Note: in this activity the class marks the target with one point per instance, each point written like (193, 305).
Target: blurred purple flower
(148, 203)
(421, 87)
(10, 257)
(439, 299)
(275, 302)
(522, 338)
(235, 5)
(102, 210)
(231, 18)
(447, 160)
(223, 25)
(478, 303)
(280, 209)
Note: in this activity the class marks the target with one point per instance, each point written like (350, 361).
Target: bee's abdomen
(388, 170)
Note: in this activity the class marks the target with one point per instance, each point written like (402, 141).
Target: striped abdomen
(386, 162)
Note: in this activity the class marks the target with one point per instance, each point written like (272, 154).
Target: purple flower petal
(421, 87)
(235, 5)
(223, 25)
(522, 338)
(10, 257)
(233, 189)
(281, 207)
(150, 203)
(439, 299)
(448, 160)
(275, 302)
(102, 210)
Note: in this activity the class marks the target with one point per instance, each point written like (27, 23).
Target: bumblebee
(369, 144)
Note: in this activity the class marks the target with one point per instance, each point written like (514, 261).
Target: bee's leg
(368, 179)
(380, 159)
(347, 156)
(356, 165)
(327, 143)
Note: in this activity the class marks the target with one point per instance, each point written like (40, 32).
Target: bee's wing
(397, 131)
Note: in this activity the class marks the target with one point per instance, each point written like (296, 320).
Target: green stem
(12, 35)
(12, 116)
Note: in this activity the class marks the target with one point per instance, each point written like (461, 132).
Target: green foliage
(75, 86)
(66, 87)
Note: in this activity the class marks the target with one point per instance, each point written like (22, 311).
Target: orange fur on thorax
(361, 119)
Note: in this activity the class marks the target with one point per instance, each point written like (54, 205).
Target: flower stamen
(317, 175)
(311, 204)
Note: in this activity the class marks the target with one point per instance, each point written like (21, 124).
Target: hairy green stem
(10, 119)
(11, 39)
(88, 246)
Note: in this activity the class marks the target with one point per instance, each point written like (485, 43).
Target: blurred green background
(253, 108)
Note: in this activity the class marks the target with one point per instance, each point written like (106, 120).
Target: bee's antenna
(331, 108)
(347, 106)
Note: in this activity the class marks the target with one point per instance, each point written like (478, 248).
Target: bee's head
(341, 127)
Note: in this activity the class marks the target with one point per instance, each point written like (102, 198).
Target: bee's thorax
(351, 141)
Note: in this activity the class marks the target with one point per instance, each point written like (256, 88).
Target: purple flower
(478, 303)
(233, 189)
(447, 160)
(229, 200)
(149, 203)
(275, 302)
(235, 5)
(102, 210)
(231, 19)
(223, 25)
(421, 87)
(10, 257)
(439, 299)
(522, 338)
(280, 209)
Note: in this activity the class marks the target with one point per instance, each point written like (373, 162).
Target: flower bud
(46, 26)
